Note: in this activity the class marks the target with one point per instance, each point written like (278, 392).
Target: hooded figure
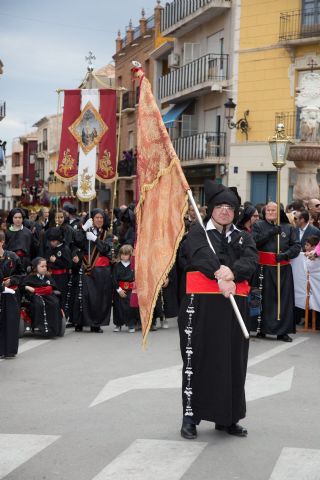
(213, 348)
(19, 238)
(265, 233)
(93, 295)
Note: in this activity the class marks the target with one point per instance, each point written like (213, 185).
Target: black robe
(213, 347)
(45, 310)
(93, 293)
(21, 241)
(170, 295)
(123, 314)
(10, 266)
(265, 237)
(63, 262)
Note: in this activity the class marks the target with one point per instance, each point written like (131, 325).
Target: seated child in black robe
(44, 303)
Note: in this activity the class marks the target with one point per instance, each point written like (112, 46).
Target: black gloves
(277, 230)
(281, 256)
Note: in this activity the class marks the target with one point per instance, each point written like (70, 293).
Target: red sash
(127, 285)
(197, 282)
(269, 258)
(47, 290)
(58, 271)
(20, 253)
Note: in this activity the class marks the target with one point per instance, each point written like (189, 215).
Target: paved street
(98, 407)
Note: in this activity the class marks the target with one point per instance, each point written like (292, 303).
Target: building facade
(194, 73)
(136, 45)
(279, 41)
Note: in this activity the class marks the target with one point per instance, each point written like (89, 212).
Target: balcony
(299, 27)
(205, 74)
(181, 16)
(17, 170)
(206, 147)
(2, 110)
(291, 122)
(129, 101)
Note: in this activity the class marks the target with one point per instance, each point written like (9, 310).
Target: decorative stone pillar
(305, 153)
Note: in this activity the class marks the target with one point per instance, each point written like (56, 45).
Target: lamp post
(241, 124)
(279, 146)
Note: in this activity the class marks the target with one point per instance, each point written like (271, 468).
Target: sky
(43, 45)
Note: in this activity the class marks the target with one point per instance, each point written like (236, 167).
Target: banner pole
(231, 297)
(114, 195)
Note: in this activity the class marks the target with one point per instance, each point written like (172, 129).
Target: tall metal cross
(89, 60)
(312, 64)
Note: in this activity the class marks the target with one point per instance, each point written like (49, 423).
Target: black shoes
(261, 335)
(233, 429)
(188, 431)
(96, 329)
(78, 328)
(284, 338)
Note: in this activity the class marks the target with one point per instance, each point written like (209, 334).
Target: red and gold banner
(161, 208)
(107, 162)
(67, 167)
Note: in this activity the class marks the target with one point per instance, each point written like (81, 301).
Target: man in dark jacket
(305, 229)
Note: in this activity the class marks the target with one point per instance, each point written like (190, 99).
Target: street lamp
(241, 124)
(279, 146)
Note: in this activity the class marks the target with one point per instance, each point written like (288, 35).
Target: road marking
(18, 449)
(154, 379)
(258, 386)
(297, 464)
(158, 459)
(275, 351)
(171, 378)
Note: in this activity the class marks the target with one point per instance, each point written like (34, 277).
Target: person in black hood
(213, 347)
(265, 233)
(93, 298)
(247, 218)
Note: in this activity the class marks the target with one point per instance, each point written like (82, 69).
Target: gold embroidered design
(89, 128)
(85, 182)
(67, 163)
(105, 165)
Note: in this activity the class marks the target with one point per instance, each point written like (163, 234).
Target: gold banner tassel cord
(55, 166)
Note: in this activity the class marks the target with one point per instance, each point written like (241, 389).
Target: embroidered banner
(67, 168)
(107, 165)
(88, 129)
(162, 192)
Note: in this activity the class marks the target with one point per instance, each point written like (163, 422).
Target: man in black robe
(265, 234)
(213, 347)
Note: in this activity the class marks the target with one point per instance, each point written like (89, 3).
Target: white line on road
(171, 378)
(18, 449)
(297, 464)
(275, 351)
(158, 459)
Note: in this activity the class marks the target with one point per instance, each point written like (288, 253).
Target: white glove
(91, 236)
(88, 224)
(9, 290)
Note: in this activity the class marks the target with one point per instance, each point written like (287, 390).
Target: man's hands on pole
(225, 279)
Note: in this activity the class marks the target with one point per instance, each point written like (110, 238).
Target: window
(191, 51)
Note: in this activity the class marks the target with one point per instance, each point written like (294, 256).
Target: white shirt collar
(125, 264)
(304, 229)
(210, 226)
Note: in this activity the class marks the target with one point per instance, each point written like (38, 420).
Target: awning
(171, 116)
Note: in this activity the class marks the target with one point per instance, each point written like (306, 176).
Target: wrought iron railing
(209, 67)
(179, 9)
(200, 146)
(129, 100)
(298, 24)
(291, 122)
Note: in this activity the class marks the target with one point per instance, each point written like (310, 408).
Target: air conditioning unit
(173, 60)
